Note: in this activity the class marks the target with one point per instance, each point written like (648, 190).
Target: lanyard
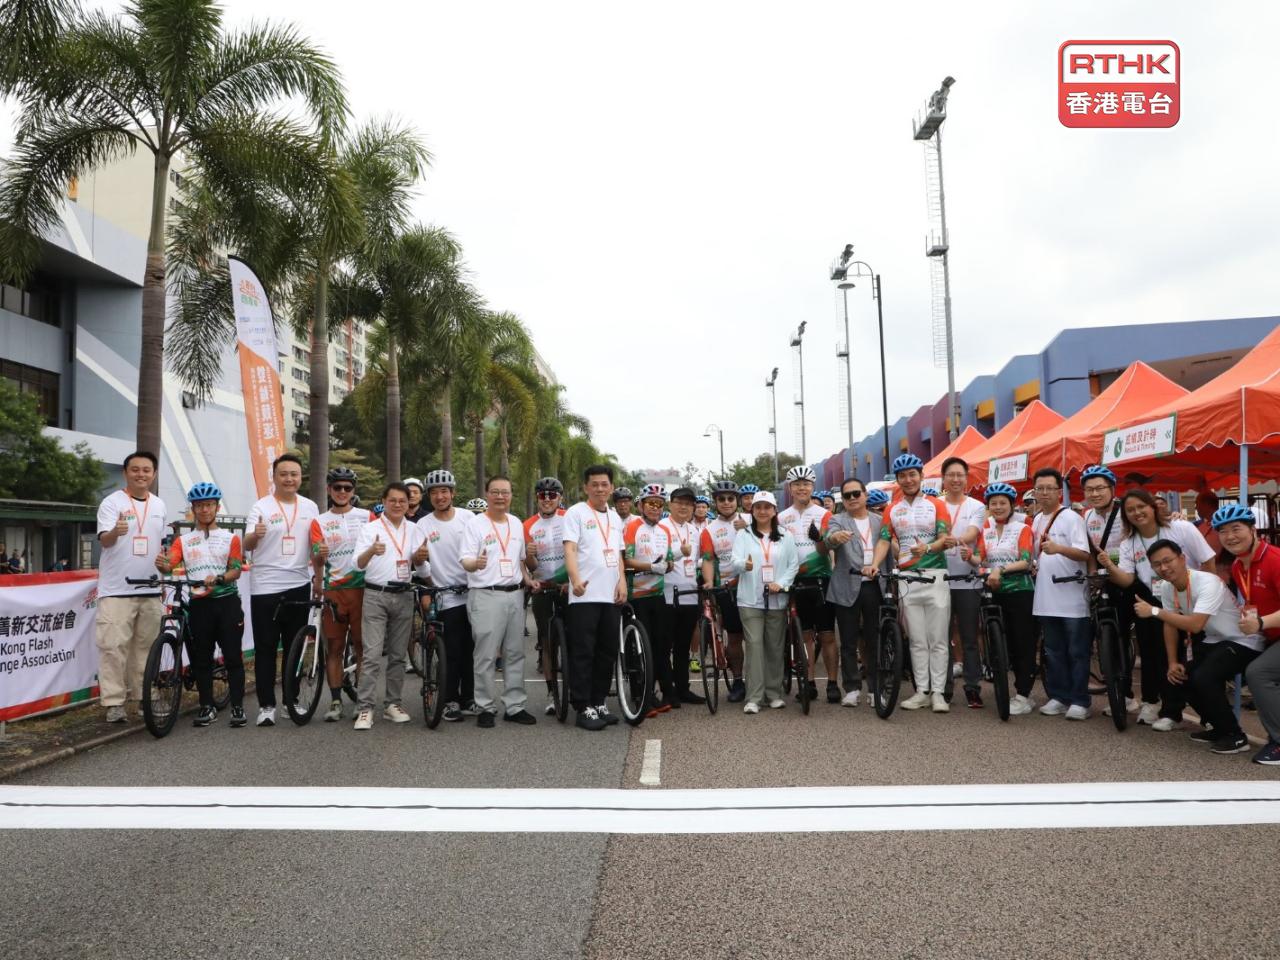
(684, 541)
(765, 548)
(400, 546)
(866, 541)
(288, 521)
(1246, 580)
(606, 528)
(502, 544)
(146, 508)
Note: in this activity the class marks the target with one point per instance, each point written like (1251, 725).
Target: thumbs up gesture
(259, 530)
(379, 548)
(420, 555)
(122, 525)
(750, 564)
(482, 560)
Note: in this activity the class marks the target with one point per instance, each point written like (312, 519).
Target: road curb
(34, 763)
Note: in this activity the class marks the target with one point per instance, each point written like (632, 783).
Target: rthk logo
(1118, 83)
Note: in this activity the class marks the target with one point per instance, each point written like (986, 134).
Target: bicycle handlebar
(163, 582)
(1081, 578)
(907, 577)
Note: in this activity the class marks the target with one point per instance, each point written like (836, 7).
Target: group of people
(1201, 613)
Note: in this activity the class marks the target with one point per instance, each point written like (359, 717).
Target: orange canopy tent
(1014, 437)
(1077, 441)
(1219, 427)
(959, 447)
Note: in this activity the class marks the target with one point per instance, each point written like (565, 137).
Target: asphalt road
(1181, 891)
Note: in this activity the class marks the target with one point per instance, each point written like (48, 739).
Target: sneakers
(833, 692)
(364, 719)
(454, 715)
(1149, 713)
(688, 696)
(851, 699)
(695, 665)
(471, 710)
(915, 701)
(266, 716)
(957, 670)
(608, 718)
(522, 717)
(940, 704)
(485, 720)
(548, 711)
(238, 719)
(1019, 706)
(1165, 724)
(588, 719)
(116, 714)
(1054, 708)
(205, 717)
(1077, 712)
(1268, 755)
(973, 699)
(1206, 735)
(1232, 743)
(334, 713)
(395, 713)
(777, 704)
(751, 707)
(737, 691)
(1131, 705)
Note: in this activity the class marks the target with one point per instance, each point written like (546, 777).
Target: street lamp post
(844, 282)
(773, 430)
(707, 433)
(797, 341)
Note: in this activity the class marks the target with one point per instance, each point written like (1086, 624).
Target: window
(339, 373)
(42, 383)
(301, 396)
(188, 400)
(299, 420)
(302, 356)
(358, 369)
(302, 375)
(37, 300)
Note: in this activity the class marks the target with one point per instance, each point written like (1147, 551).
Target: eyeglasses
(1161, 564)
(1047, 489)
(495, 494)
(852, 495)
(548, 495)
(341, 488)
(725, 498)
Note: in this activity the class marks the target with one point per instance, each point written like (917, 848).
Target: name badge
(506, 568)
(767, 572)
(141, 546)
(688, 568)
(610, 559)
(402, 569)
(288, 546)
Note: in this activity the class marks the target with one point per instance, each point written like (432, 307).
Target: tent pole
(1244, 474)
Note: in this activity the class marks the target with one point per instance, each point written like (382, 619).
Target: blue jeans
(1067, 646)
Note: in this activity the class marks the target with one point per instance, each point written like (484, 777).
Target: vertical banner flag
(259, 378)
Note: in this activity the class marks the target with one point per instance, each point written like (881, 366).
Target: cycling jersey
(339, 531)
(1095, 523)
(716, 544)
(1000, 547)
(547, 533)
(922, 520)
(647, 542)
(198, 554)
(797, 523)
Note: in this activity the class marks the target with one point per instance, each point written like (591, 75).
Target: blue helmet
(1098, 470)
(907, 461)
(877, 498)
(1232, 513)
(1001, 490)
(703, 499)
(204, 490)
(748, 488)
(931, 490)
(377, 509)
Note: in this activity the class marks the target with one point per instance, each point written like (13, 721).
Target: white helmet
(801, 473)
(653, 490)
(439, 478)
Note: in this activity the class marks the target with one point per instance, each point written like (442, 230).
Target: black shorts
(727, 604)
(814, 611)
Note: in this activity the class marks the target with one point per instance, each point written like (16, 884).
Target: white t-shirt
(395, 564)
(1133, 549)
(1095, 523)
(970, 513)
(597, 535)
(282, 558)
(684, 572)
(134, 554)
(503, 544)
(1059, 599)
(1208, 594)
(444, 540)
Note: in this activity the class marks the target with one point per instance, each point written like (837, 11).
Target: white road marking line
(651, 768)
(767, 810)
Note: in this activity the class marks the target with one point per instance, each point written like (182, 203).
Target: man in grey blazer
(852, 536)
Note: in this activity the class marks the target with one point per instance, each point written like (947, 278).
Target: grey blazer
(844, 586)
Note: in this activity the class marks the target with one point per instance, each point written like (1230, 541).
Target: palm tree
(163, 76)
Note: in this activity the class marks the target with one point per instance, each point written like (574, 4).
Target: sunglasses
(726, 498)
(342, 488)
(548, 495)
(852, 494)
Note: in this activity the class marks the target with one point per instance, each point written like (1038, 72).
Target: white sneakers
(266, 716)
(915, 701)
(1165, 724)
(940, 704)
(1077, 712)
(851, 699)
(1130, 704)
(364, 719)
(1020, 706)
(777, 704)
(549, 710)
(395, 713)
(1149, 713)
(751, 707)
(1054, 708)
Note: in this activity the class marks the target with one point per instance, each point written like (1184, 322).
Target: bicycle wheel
(710, 668)
(162, 683)
(558, 675)
(799, 664)
(634, 672)
(887, 677)
(1111, 659)
(304, 679)
(433, 672)
(221, 686)
(350, 670)
(998, 655)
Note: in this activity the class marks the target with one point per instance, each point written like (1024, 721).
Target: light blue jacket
(786, 564)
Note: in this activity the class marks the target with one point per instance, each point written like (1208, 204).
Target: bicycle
(304, 677)
(991, 616)
(634, 672)
(795, 657)
(165, 677)
(890, 648)
(432, 661)
(711, 649)
(1112, 658)
(556, 657)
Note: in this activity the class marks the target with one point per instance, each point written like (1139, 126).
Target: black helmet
(548, 485)
(340, 475)
(623, 493)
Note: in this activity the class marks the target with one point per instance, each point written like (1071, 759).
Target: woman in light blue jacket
(766, 561)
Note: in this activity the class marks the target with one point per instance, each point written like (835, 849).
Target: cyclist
(417, 509)
(715, 546)
(828, 500)
(807, 520)
(746, 496)
(477, 505)
(1142, 528)
(1029, 508)
(647, 556)
(964, 519)
(213, 556)
(1104, 526)
(877, 500)
(278, 534)
(624, 504)
(131, 526)
(682, 614)
(853, 591)
(544, 549)
(445, 528)
(918, 522)
(333, 546)
(1004, 548)
(1256, 575)
(701, 511)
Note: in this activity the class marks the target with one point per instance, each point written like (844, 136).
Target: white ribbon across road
(765, 810)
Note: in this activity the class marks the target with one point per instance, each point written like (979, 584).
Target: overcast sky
(658, 189)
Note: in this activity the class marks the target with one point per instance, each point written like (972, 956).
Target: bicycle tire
(303, 678)
(559, 657)
(710, 668)
(350, 671)
(998, 654)
(887, 679)
(786, 663)
(1111, 659)
(799, 664)
(221, 687)
(433, 672)
(162, 684)
(634, 672)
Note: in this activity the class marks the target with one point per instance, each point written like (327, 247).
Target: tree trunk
(318, 424)
(446, 427)
(480, 478)
(151, 354)
(504, 451)
(393, 411)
